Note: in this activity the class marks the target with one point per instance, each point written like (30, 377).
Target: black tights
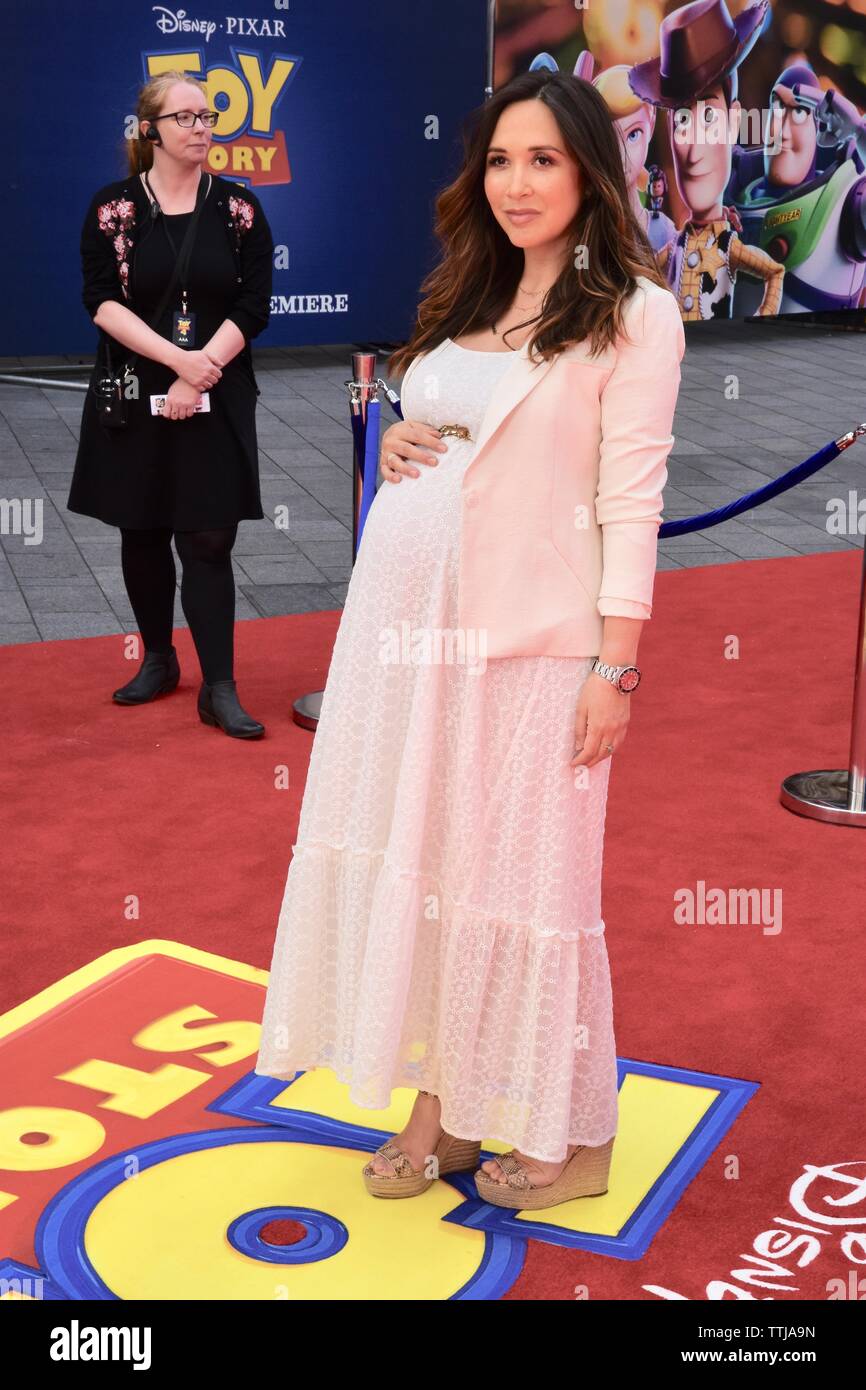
(207, 591)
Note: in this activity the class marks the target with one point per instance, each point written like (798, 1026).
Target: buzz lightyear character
(807, 209)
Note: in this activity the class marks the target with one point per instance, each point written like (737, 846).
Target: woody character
(695, 80)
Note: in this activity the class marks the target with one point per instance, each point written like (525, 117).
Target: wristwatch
(625, 678)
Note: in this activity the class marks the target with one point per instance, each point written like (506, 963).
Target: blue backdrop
(327, 112)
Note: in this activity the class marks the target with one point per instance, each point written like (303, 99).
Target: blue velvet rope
(370, 456)
(752, 499)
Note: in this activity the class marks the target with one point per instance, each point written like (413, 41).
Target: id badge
(157, 404)
(183, 329)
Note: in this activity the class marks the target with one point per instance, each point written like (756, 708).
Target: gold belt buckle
(460, 431)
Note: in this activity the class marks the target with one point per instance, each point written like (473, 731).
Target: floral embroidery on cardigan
(117, 220)
(242, 214)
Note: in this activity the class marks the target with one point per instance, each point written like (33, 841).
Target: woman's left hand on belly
(403, 441)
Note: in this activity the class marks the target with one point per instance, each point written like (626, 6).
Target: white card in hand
(157, 403)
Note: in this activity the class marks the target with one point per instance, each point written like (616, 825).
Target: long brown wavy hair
(475, 281)
(139, 152)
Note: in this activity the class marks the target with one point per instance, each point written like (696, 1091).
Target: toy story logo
(246, 92)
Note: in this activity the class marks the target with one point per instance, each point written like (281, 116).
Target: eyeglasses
(189, 118)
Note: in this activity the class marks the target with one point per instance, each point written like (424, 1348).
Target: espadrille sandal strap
(398, 1160)
(515, 1174)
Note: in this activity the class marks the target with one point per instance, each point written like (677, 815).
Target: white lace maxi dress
(441, 924)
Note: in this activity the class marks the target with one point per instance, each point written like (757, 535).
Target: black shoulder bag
(109, 386)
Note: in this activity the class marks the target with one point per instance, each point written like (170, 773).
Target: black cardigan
(111, 230)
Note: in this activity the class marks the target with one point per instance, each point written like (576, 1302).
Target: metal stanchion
(21, 376)
(491, 46)
(364, 407)
(838, 795)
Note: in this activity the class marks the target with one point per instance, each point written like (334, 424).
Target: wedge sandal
(584, 1175)
(454, 1156)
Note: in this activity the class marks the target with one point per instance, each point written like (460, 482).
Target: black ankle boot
(159, 672)
(218, 704)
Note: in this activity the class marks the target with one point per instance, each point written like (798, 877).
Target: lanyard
(183, 257)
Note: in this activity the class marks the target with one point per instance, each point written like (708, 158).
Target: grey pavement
(755, 399)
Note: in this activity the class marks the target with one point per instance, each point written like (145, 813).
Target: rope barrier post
(364, 409)
(362, 393)
(838, 795)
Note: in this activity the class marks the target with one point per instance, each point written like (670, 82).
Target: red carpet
(134, 824)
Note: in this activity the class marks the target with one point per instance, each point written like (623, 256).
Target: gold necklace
(533, 294)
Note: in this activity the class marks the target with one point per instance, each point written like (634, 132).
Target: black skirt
(193, 474)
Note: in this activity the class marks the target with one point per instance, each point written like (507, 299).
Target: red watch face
(629, 679)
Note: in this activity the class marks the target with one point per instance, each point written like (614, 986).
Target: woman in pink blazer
(441, 927)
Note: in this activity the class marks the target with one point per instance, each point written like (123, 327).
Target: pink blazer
(562, 499)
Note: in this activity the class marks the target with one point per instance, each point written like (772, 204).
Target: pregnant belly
(417, 521)
(436, 484)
